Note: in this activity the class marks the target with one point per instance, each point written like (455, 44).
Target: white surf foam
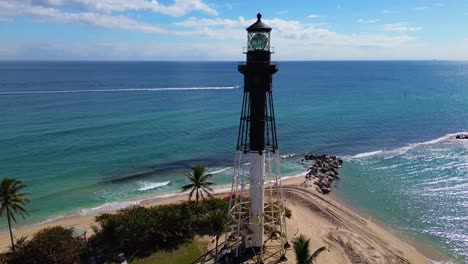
(123, 90)
(367, 154)
(52, 219)
(288, 156)
(108, 207)
(218, 171)
(400, 151)
(152, 185)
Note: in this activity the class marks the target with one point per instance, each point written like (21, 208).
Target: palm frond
(206, 176)
(208, 193)
(12, 216)
(186, 187)
(191, 194)
(316, 253)
(301, 248)
(207, 184)
(13, 201)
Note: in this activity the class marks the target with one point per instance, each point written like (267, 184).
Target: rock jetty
(462, 136)
(322, 172)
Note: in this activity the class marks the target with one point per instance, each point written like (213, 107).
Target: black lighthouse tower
(257, 130)
(256, 211)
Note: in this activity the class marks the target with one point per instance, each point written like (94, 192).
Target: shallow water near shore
(90, 136)
(419, 189)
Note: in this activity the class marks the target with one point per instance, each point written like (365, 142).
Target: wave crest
(152, 185)
(402, 150)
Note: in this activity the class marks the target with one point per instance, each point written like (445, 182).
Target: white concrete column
(256, 197)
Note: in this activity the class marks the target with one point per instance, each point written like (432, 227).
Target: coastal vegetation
(302, 251)
(218, 225)
(139, 232)
(143, 234)
(13, 201)
(53, 245)
(199, 183)
(186, 253)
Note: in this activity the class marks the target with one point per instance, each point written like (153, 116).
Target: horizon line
(323, 60)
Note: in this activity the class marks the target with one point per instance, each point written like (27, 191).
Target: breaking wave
(367, 154)
(108, 207)
(400, 151)
(153, 185)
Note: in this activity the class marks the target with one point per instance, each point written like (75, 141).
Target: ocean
(88, 137)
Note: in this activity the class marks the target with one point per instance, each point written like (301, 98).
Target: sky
(185, 30)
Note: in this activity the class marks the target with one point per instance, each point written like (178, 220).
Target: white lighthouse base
(256, 198)
(256, 214)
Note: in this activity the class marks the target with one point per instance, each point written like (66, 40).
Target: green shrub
(139, 231)
(53, 245)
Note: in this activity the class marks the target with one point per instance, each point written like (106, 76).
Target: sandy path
(347, 237)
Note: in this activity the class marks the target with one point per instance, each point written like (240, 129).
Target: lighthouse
(256, 204)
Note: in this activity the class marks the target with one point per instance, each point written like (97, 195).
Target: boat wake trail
(390, 153)
(123, 90)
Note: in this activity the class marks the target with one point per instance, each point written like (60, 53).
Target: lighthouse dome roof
(259, 26)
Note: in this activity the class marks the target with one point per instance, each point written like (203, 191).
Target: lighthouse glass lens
(258, 41)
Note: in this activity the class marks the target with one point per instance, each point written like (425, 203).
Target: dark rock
(324, 170)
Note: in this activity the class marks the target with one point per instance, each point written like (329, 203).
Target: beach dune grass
(186, 253)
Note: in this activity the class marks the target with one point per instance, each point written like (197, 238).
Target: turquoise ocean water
(94, 136)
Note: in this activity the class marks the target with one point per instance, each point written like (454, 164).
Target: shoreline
(86, 221)
(433, 254)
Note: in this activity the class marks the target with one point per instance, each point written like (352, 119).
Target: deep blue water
(130, 136)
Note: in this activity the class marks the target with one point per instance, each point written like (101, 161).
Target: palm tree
(217, 223)
(12, 201)
(20, 243)
(199, 183)
(301, 248)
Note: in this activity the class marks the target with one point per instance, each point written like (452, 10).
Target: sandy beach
(347, 237)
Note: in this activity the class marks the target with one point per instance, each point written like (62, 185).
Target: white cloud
(282, 12)
(204, 22)
(421, 8)
(5, 19)
(291, 33)
(178, 8)
(294, 33)
(8, 50)
(157, 50)
(293, 39)
(154, 50)
(87, 18)
(401, 27)
(386, 11)
(313, 16)
(367, 21)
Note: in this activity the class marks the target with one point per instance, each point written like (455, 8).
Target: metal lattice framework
(243, 139)
(273, 220)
